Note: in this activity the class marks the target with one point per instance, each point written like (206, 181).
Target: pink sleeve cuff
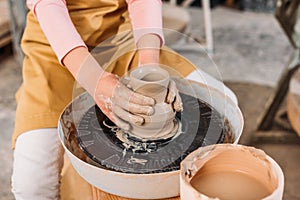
(146, 18)
(57, 25)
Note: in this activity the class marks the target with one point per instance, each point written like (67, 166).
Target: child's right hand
(120, 103)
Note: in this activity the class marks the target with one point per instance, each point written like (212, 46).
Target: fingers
(177, 105)
(113, 117)
(121, 104)
(135, 108)
(172, 92)
(133, 97)
(133, 102)
(119, 122)
(127, 116)
(174, 97)
(140, 99)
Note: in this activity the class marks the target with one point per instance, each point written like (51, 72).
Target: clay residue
(141, 145)
(133, 160)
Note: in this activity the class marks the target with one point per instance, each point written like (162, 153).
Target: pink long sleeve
(57, 25)
(146, 17)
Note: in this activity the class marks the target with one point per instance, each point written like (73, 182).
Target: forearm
(84, 68)
(66, 42)
(146, 20)
(148, 49)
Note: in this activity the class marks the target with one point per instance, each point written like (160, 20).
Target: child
(57, 41)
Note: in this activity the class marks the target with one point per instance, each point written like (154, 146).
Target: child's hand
(173, 97)
(121, 104)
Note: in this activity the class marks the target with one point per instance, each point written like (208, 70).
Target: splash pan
(199, 124)
(116, 163)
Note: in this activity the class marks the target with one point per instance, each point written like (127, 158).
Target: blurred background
(254, 44)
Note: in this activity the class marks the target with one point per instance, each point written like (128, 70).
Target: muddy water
(230, 185)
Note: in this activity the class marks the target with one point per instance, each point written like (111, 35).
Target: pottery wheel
(198, 125)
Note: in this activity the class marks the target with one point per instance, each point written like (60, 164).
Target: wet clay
(153, 81)
(235, 175)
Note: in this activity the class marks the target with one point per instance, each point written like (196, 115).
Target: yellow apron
(48, 87)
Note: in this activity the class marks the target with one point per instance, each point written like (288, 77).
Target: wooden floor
(5, 36)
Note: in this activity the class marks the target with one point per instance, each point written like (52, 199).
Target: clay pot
(227, 171)
(153, 81)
